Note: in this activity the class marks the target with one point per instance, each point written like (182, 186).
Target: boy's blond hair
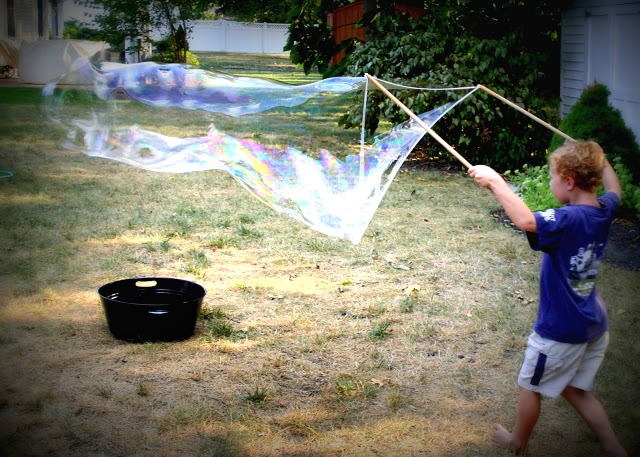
(581, 160)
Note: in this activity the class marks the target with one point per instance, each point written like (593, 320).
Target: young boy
(570, 334)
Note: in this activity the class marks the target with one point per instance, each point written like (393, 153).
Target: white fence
(228, 36)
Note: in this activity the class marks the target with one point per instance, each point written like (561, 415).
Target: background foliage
(310, 43)
(256, 10)
(76, 30)
(166, 49)
(511, 47)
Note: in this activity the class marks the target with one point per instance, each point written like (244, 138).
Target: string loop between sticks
(420, 122)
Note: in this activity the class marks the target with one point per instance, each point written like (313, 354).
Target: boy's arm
(516, 209)
(610, 179)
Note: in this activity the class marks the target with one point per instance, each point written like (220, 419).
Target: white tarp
(43, 61)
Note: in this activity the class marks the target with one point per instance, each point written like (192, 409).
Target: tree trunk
(370, 7)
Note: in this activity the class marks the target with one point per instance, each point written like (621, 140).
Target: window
(55, 11)
(40, 19)
(11, 19)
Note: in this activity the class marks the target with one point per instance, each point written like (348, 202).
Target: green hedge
(592, 117)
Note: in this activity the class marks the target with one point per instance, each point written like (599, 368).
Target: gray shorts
(549, 366)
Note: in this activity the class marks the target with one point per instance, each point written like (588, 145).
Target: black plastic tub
(152, 309)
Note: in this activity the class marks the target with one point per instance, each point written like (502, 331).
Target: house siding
(26, 20)
(600, 42)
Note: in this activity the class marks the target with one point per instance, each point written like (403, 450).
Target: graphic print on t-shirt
(549, 215)
(584, 269)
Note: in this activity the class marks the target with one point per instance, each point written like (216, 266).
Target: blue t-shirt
(572, 240)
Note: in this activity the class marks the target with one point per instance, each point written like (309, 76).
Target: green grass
(380, 331)
(257, 395)
(277, 67)
(20, 95)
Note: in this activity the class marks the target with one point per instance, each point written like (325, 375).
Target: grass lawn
(271, 66)
(407, 344)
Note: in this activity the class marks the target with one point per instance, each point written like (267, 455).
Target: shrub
(532, 185)
(166, 50)
(168, 57)
(630, 192)
(593, 118)
(75, 30)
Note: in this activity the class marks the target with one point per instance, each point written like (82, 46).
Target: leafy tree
(276, 11)
(75, 30)
(310, 42)
(510, 46)
(134, 18)
(164, 52)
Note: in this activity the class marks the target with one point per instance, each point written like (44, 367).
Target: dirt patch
(623, 248)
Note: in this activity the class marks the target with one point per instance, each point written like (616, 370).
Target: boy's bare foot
(501, 437)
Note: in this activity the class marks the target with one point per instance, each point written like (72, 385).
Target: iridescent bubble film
(281, 142)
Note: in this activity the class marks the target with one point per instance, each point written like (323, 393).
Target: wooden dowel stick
(527, 113)
(420, 122)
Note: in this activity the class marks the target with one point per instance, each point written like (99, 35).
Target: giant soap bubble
(281, 142)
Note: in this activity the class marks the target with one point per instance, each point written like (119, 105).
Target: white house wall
(26, 20)
(600, 42)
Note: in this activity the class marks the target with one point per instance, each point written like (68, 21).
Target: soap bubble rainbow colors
(281, 142)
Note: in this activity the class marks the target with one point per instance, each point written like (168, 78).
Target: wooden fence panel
(343, 21)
